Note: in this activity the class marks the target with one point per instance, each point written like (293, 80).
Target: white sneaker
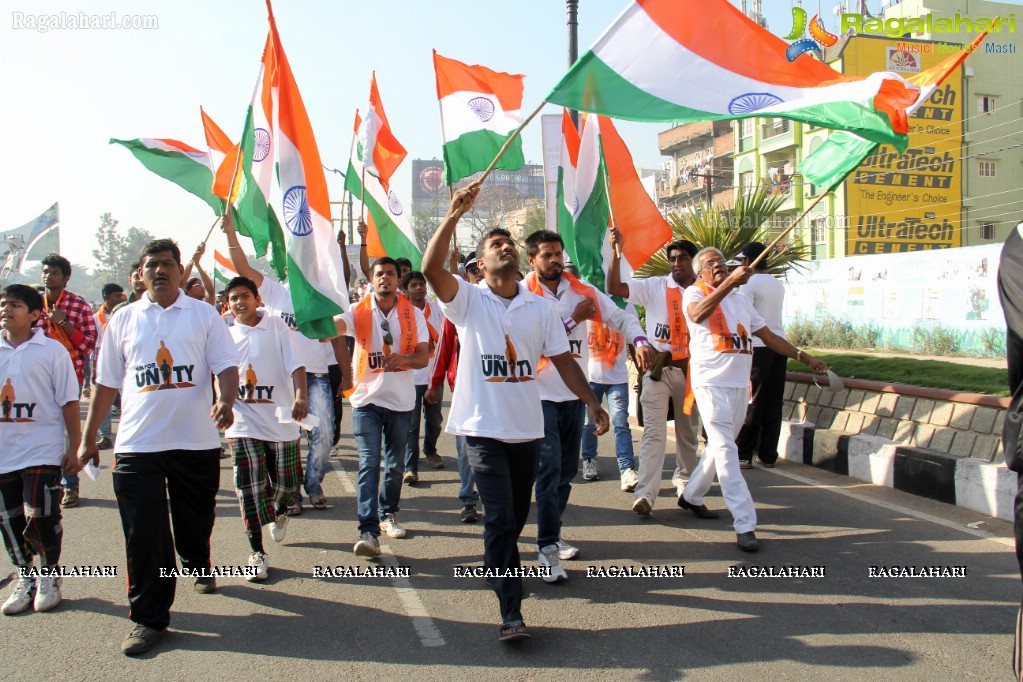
(389, 525)
(279, 528)
(20, 598)
(548, 556)
(590, 472)
(47, 593)
(260, 562)
(630, 479)
(367, 545)
(566, 551)
(679, 482)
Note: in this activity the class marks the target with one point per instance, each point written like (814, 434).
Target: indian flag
(479, 110)
(390, 232)
(223, 155)
(678, 60)
(223, 268)
(375, 134)
(315, 276)
(597, 184)
(254, 216)
(182, 164)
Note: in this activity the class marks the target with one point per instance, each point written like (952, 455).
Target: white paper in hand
(309, 423)
(92, 471)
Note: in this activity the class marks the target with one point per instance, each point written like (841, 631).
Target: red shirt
(79, 315)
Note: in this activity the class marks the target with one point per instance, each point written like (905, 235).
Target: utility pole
(710, 183)
(573, 46)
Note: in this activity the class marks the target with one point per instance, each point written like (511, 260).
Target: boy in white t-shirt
(38, 405)
(271, 378)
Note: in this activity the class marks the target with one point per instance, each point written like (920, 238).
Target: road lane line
(413, 606)
(923, 516)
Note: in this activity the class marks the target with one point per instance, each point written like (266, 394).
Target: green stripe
(841, 154)
(254, 217)
(179, 168)
(473, 152)
(314, 312)
(395, 242)
(219, 277)
(593, 86)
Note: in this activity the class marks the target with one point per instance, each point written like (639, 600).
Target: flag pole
(788, 229)
(507, 143)
(610, 209)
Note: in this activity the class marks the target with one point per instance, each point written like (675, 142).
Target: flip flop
(318, 501)
(513, 632)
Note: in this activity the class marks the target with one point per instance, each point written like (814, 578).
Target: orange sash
(434, 335)
(677, 322)
(717, 322)
(363, 314)
(602, 342)
(57, 332)
(101, 315)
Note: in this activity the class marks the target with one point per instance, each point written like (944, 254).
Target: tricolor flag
(678, 60)
(182, 164)
(479, 110)
(223, 155)
(390, 232)
(223, 268)
(316, 280)
(590, 168)
(375, 134)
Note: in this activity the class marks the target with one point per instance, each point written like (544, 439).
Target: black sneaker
(140, 639)
(469, 514)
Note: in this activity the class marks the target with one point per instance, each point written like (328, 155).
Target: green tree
(729, 229)
(115, 252)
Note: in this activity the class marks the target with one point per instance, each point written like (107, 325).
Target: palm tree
(729, 229)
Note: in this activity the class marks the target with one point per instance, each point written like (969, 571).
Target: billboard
(32, 241)
(897, 203)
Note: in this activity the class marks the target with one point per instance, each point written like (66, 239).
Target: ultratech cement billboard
(911, 201)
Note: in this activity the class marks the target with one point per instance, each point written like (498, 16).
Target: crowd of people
(528, 359)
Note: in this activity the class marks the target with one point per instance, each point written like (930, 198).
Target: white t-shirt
(161, 360)
(618, 373)
(552, 387)
(497, 395)
(37, 379)
(312, 354)
(421, 377)
(651, 293)
(392, 390)
(768, 296)
(719, 361)
(267, 360)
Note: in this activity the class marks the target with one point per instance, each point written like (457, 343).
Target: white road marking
(413, 606)
(923, 516)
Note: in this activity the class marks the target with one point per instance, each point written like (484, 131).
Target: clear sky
(68, 91)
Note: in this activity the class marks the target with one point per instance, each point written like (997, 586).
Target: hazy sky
(69, 91)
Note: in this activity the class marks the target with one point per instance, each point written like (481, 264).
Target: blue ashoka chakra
(262, 149)
(483, 107)
(196, 155)
(752, 101)
(393, 205)
(296, 212)
(575, 205)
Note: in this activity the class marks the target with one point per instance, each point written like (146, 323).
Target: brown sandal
(513, 632)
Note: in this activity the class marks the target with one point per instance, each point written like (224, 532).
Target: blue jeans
(618, 406)
(559, 463)
(467, 491)
(321, 404)
(433, 423)
(370, 425)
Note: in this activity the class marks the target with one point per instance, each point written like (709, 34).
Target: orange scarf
(605, 345)
(363, 314)
(57, 332)
(101, 315)
(717, 322)
(677, 321)
(434, 335)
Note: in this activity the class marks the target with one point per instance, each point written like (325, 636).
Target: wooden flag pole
(208, 233)
(610, 209)
(507, 143)
(788, 229)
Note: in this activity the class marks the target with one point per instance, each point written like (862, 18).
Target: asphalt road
(435, 626)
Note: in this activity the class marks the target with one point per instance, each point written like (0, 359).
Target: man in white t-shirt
(504, 331)
(666, 383)
(160, 352)
(414, 285)
(767, 377)
(721, 322)
(265, 445)
(391, 339)
(315, 357)
(590, 319)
